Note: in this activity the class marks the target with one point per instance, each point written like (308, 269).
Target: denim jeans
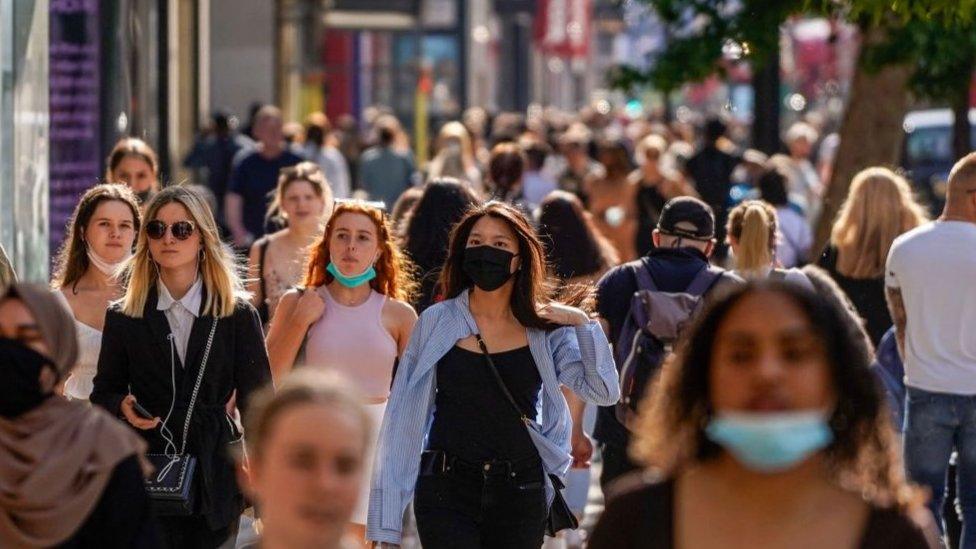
(935, 425)
(472, 510)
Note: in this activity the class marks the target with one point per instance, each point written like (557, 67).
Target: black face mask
(489, 267)
(144, 196)
(20, 372)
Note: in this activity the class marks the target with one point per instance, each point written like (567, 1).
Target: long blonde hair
(879, 207)
(753, 225)
(217, 266)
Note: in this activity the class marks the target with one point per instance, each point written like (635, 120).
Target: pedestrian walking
(254, 175)
(505, 168)
(384, 171)
(879, 208)
(794, 236)
(351, 316)
(576, 250)
(134, 163)
(101, 235)
(930, 291)
(574, 145)
(428, 230)
(656, 184)
(214, 150)
(181, 342)
(320, 147)
(710, 168)
(612, 198)
(683, 242)
(767, 430)
(752, 234)
(70, 475)
(484, 476)
(536, 183)
(303, 201)
(306, 502)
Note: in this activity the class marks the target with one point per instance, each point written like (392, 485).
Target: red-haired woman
(352, 315)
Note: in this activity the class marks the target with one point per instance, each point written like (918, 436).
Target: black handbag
(560, 516)
(170, 487)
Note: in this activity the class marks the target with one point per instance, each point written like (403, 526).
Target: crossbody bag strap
(196, 387)
(501, 382)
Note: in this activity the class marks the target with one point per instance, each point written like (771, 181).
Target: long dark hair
(670, 431)
(574, 247)
(72, 261)
(531, 285)
(442, 204)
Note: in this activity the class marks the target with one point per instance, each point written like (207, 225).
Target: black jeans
(488, 505)
(616, 464)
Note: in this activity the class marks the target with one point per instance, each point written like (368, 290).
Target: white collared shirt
(180, 313)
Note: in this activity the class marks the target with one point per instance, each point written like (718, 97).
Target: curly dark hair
(670, 430)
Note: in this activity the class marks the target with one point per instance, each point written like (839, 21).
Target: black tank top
(472, 418)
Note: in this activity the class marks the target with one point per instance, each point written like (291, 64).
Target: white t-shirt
(795, 238)
(935, 267)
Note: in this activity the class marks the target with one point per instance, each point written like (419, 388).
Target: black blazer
(135, 356)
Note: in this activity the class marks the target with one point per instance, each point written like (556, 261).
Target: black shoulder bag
(560, 516)
(170, 487)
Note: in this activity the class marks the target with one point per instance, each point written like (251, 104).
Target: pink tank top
(354, 342)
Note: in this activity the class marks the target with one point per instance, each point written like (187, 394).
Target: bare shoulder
(290, 298)
(401, 311)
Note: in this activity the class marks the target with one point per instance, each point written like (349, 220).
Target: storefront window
(24, 136)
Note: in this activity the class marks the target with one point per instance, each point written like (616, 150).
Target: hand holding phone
(136, 415)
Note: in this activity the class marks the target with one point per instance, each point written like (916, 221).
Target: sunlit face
(111, 231)
(354, 244)
(491, 231)
(17, 322)
(269, 130)
(170, 252)
(800, 147)
(301, 205)
(767, 357)
(308, 474)
(135, 172)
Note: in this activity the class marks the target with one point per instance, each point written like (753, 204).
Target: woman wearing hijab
(69, 473)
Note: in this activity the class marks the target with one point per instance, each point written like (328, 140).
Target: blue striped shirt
(578, 357)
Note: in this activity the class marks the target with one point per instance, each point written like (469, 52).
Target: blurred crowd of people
(469, 310)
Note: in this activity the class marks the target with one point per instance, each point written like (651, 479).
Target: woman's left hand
(563, 314)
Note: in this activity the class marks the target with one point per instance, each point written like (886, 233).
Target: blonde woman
(752, 233)
(455, 155)
(184, 311)
(879, 208)
(101, 233)
(303, 199)
(134, 163)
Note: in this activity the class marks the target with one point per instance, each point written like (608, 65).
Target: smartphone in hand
(142, 412)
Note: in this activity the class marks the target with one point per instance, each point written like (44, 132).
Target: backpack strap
(704, 280)
(643, 276)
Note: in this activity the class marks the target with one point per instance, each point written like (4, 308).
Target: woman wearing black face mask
(485, 478)
(69, 473)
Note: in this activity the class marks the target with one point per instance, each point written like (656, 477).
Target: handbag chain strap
(500, 381)
(196, 387)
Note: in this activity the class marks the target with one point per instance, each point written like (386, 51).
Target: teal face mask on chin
(771, 442)
(351, 281)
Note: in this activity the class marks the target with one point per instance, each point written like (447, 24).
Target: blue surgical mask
(770, 442)
(351, 281)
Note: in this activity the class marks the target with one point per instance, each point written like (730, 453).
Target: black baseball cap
(687, 217)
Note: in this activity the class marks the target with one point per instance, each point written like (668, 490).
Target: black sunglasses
(181, 230)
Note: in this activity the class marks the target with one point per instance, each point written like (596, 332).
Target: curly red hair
(394, 272)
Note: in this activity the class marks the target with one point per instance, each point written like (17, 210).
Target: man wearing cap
(683, 241)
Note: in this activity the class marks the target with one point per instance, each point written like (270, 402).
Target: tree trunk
(960, 126)
(766, 86)
(871, 133)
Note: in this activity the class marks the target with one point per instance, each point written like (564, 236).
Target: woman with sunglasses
(101, 233)
(303, 200)
(497, 343)
(352, 316)
(184, 310)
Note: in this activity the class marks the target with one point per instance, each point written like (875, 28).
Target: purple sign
(75, 130)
